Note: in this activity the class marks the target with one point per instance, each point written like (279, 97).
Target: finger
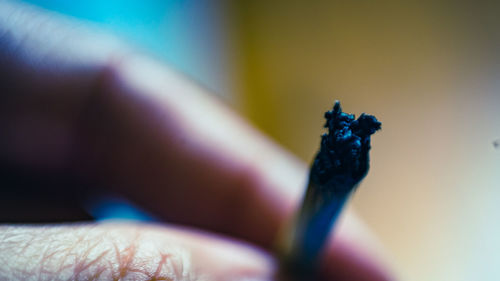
(354, 254)
(48, 65)
(126, 252)
(170, 142)
(157, 138)
(48, 68)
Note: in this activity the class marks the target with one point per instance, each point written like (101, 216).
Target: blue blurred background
(188, 34)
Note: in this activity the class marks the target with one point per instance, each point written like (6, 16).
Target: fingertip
(355, 254)
(343, 261)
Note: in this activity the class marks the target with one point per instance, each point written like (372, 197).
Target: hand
(81, 114)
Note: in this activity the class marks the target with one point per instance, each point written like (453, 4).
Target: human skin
(77, 103)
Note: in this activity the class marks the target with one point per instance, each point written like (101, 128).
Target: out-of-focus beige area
(430, 72)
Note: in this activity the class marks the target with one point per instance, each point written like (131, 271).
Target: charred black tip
(343, 159)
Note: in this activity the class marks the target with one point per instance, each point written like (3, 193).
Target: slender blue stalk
(340, 165)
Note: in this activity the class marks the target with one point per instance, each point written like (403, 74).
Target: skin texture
(127, 252)
(82, 113)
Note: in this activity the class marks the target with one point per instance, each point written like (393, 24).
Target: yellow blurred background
(429, 70)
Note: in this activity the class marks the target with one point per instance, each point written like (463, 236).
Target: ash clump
(343, 159)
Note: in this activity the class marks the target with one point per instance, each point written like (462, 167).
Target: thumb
(118, 251)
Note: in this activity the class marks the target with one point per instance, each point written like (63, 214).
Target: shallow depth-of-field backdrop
(430, 71)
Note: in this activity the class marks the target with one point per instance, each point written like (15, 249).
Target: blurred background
(430, 71)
